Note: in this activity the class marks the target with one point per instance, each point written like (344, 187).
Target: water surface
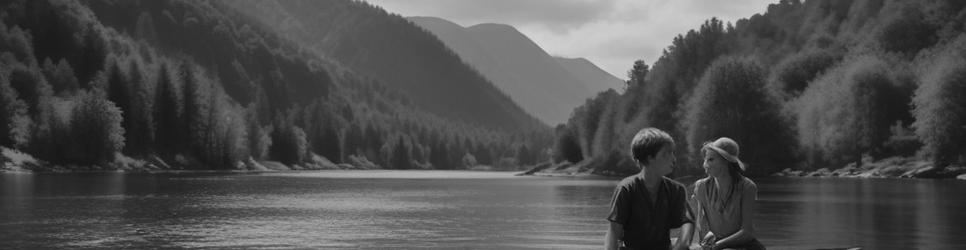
(435, 209)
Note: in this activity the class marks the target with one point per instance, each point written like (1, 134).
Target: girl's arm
(747, 231)
(702, 230)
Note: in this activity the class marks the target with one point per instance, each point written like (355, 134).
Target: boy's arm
(687, 222)
(687, 230)
(618, 214)
(614, 233)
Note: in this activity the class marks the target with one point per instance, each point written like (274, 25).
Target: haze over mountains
(545, 86)
(595, 78)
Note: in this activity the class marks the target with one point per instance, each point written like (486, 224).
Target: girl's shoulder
(747, 183)
(700, 184)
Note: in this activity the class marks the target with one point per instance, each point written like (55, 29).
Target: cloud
(610, 33)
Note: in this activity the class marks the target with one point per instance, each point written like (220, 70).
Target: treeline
(804, 85)
(200, 87)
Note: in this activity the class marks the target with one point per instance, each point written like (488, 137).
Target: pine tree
(168, 111)
(60, 76)
(259, 141)
(400, 157)
(93, 55)
(14, 122)
(138, 117)
(353, 140)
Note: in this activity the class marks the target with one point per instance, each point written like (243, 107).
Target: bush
(469, 161)
(259, 140)
(565, 147)
(97, 132)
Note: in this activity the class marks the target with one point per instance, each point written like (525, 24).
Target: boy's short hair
(648, 142)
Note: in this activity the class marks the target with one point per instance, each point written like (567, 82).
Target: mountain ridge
(171, 84)
(516, 64)
(395, 51)
(590, 73)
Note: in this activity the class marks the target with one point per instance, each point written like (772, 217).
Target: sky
(610, 33)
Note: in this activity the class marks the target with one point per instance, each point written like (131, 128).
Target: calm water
(434, 209)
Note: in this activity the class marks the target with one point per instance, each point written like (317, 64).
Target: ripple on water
(337, 202)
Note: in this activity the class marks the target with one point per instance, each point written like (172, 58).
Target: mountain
(515, 64)
(392, 50)
(172, 84)
(595, 78)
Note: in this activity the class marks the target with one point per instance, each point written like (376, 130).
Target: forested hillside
(806, 85)
(395, 51)
(197, 85)
(515, 64)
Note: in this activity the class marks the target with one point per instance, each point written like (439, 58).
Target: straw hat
(728, 149)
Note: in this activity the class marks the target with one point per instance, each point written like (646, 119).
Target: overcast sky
(610, 33)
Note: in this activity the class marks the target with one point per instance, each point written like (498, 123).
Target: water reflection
(469, 210)
(940, 214)
(873, 214)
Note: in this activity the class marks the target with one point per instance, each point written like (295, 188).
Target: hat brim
(728, 157)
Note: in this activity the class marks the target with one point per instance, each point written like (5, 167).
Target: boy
(646, 206)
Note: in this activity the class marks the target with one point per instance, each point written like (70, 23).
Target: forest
(145, 85)
(805, 85)
(392, 50)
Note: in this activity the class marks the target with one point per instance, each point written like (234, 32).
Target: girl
(726, 199)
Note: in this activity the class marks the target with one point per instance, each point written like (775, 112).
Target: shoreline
(63, 170)
(16, 162)
(888, 168)
(891, 167)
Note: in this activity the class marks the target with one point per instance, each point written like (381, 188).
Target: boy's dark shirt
(647, 225)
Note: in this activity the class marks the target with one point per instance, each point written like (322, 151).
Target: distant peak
(579, 59)
(431, 19)
(494, 26)
(427, 18)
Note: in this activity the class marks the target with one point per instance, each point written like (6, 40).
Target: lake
(436, 209)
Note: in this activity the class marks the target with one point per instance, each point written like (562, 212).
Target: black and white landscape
(350, 124)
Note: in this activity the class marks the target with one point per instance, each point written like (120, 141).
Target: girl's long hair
(734, 170)
(736, 175)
